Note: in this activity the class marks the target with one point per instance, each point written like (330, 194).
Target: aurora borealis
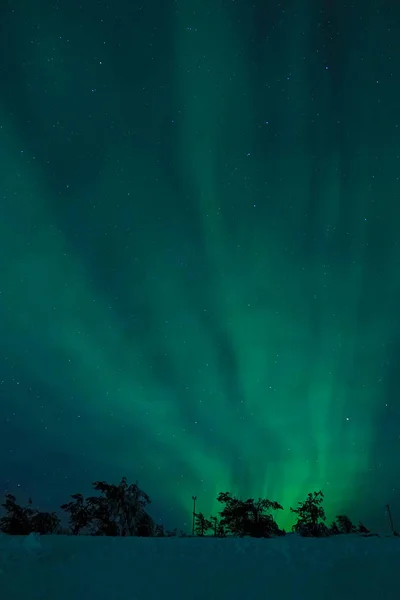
(200, 257)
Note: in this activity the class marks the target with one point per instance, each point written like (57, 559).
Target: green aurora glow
(200, 276)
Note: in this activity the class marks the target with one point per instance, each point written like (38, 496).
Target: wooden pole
(194, 498)
(390, 519)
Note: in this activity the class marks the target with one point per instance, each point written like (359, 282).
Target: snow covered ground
(75, 568)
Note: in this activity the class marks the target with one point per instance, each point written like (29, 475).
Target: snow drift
(75, 568)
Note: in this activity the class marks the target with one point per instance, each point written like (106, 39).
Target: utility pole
(391, 520)
(194, 498)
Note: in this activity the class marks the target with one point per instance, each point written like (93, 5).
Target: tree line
(121, 510)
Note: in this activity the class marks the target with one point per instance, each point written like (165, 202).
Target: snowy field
(75, 568)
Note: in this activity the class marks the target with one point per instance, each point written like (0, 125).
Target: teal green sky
(199, 252)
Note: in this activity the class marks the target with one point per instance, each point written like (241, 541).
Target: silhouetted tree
(362, 529)
(345, 525)
(23, 520)
(146, 527)
(249, 517)
(102, 518)
(79, 513)
(202, 525)
(221, 533)
(217, 527)
(334, 529)
(159, 531)
(311, 515)
(172, 532)
(45, 523)
(17, 519)
(214, 525)
(120, 509)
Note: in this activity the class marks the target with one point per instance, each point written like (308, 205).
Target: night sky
(199, 251)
